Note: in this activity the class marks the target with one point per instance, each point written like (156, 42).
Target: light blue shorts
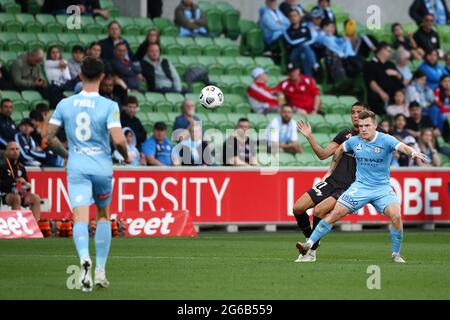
(85, 189)
(358, 195)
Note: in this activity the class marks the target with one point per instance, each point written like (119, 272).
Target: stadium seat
(139, 96)
(87, 39)
(156, 117)
(144, 24)
(230, 19)
(214, 22)
(50, 39)
(33, 97)
(69, 40)
(30, 41)
(212, 50)
(11, 7)
(257, 120)
(287, 159)
(203, 41)
(129, 26)
(8, 57)
(28, 22)
(319, 124)
(188, 60)
(255, 42)
(9, 42)
(231, 50)
(175, 99)
(19, 103)
(263, 62)
(49, 23)
(9, 23)
(328, 103)
(307, 159)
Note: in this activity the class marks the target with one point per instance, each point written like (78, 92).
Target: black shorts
(326, 189)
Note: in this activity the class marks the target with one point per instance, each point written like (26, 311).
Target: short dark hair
(367, 114)
(4, 101)
(361, 104)
(92, 68)
(114, 22)
(243, 120)
(93, 44)
(42, 107)
(36, 115)
(430, 51)
(418, 74)
(395, 25)
(160, 126)
(77, 48)
(399, 116)
(132, 99)
(287, 106)
(414, 104)
(382, 45)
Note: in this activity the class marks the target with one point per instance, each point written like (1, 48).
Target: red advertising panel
(239, 195)
(18, 224)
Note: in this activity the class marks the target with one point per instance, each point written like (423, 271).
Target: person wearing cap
(300, 91)
(300, 36)
(158, 149)
(30, 153)
(138, 158)
(272, 22)
(262, 99)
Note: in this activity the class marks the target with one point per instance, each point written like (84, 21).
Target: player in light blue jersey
(373, 154)
(88, 119)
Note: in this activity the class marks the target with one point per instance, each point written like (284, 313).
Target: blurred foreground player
(373, 154)
(87, 119)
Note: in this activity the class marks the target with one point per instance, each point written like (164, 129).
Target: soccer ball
(211, 97)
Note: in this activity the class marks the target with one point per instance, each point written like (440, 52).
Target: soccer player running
(373, 153)
(87, 119)
(323, 196)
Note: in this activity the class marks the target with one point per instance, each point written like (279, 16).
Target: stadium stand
(235, 48)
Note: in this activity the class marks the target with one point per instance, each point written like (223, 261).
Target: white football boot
(310, 256)
(397, 258)
(100, 280)
(86, 276)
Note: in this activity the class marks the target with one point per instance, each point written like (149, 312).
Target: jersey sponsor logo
(88, 150)
(349, 200)
(369, 160)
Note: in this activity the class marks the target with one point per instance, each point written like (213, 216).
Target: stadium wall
(241, 196)
(391, 11)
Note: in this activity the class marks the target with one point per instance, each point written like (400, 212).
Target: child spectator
(191, 20)
(427, 145)
(400, 106)
(56, 68)
(75, 61)
(408, 43)
(138, 158)
(432, 69)
(153, 37)
(418, 90)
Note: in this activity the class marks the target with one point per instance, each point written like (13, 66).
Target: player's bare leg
(324, 227)
(102, 246)
(13, 200)
(81, 239)
(34, 201)
(396, 230)
(320, 212)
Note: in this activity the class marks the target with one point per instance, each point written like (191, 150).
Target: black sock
(304, 224)
(316, 221)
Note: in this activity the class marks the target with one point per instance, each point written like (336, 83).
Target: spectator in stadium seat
(193, 151)
(417, 121)
(30, 153)
(328, 14)
(272, 22)
(76, 60)
(8, 127)
(300, 36)
(158, 149)
(262, 99)
(114, 37)
(382, 79)
(288, 5)
(442, 95)
(56, 67)
(5, 81)
(427, 145)
(407, 161)
(419, 91)
(124, 68)
(190, 19)
(107, 90)
(399, 127)
(187, 118)
(153, 37)
(300, 91)
(363, 44)
(239, 149)
(284, 128)
(426, 38)
(432, 69)
(385, 124)
(447, 62)
(138, 158)
(436, 8)
(399, 105)
(129, 119)
(15, 187)
(407, 43)
(402, 60)
(342, 47)
(25, 71)
(154, 8)
(160, 74)
(92, 8)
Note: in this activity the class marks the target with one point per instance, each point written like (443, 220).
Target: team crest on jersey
(377, 150)
(358, 147)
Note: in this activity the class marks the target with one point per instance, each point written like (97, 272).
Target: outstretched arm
(323, 153)
(54, 142)
(411, 152)
(336, 158)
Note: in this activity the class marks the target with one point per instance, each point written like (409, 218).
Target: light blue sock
(81, 239)
(320, 231)
(396, 239)
(102, 243)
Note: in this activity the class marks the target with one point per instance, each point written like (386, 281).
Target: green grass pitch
(234, 266)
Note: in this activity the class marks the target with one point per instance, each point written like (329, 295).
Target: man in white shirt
(282, 132)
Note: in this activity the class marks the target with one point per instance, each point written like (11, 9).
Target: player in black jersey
(323, 196)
